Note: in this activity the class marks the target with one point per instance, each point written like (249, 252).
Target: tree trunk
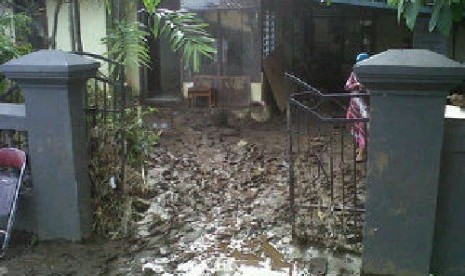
(53, 38)
(71, 20)
(77, 25)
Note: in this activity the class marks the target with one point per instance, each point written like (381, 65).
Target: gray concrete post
(408, 89)
(449, 240)
(54, 85)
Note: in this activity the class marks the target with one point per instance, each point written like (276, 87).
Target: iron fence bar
(326, 119)
(112, 89)
(105, 80)
(298, 123)
(96, 101)
(311, 169)
(331, 166)
(103, 110)
(105, 103)
(320, 167)
(310, 88)
(96, 56)
(298, 81)
(354, 175)
(333, 208)
(307, 124)
(122, 119)
(343, 180)
(342, 167)
(329, 95)
(291, 178)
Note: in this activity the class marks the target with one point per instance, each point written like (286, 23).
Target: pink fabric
(352, 84)
(357, 109)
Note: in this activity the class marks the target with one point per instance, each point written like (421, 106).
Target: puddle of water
(229, 267)
(220, 252)
(259, 257)
(341, 265)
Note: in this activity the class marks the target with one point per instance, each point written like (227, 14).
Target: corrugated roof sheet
(218, 4)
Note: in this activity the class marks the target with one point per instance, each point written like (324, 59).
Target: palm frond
(186, 33)
(127, 43)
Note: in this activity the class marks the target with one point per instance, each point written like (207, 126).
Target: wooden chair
(204, 86)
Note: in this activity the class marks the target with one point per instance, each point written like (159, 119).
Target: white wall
(93, 25)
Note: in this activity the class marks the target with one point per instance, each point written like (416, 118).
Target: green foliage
(11, 47)
(185, 31)
(151, 5)
(127, 43)
(443, 12)
(113, 215)
(140, 138)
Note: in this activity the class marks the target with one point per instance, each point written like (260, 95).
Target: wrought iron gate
(105, 102)
(326, 184)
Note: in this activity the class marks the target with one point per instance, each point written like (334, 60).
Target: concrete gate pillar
(408, 91)
(449, 240)
(54, 85)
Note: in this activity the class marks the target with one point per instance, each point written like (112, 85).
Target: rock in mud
(318, 266)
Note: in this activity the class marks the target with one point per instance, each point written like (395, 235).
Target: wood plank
(273, 66)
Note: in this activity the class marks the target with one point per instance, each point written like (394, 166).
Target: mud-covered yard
(217, 205)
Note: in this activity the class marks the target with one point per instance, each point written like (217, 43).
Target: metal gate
(105, 102)
(326, 184)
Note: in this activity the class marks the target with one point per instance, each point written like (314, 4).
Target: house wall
(435, 41)
(241, 42)
(93, 25)
(389, 34)
(93, 29)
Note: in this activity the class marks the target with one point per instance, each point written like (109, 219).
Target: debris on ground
(220, 205)
(216, 204)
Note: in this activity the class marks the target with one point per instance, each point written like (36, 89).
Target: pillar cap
(409, 69)
(45, 64)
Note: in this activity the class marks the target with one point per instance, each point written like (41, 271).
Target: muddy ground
(218, 206)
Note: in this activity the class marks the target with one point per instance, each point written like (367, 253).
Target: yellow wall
(93, 29)
(93, 25)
